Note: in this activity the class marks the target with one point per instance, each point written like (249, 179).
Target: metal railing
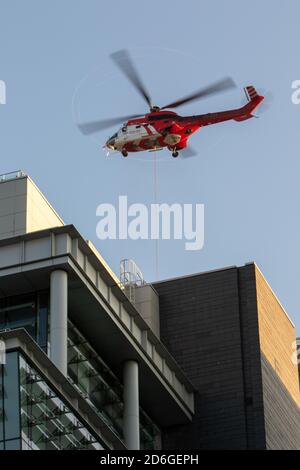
(131, 277)
(12, 175)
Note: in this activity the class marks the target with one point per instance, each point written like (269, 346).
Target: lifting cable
(155, 192)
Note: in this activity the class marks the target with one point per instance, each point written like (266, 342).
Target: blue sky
(53, 54)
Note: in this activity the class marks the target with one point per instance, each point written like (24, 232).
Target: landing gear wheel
(124, 153)
(175, 153)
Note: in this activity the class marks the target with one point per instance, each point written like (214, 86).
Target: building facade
(200, 362)
(235, 342)
(82, 364)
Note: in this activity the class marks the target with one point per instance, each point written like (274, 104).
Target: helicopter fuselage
(152, 131)
(165, 128)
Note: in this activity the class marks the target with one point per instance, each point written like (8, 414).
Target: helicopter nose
(110, 144)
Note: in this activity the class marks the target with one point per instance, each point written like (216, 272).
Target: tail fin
(251, 93)
(254, 100)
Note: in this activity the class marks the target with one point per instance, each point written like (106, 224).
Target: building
(97, 362)
(237, 345)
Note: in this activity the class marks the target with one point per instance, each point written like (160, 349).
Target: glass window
(160, 117)
(1, 404)
(28, 311)
(46, 422)
(11, 410)
(19, 312)
(2, 319)
(43, 310)
(14, 444)
(150, 435)
(32, 412)
(94, 380)
(22, 317)
(102, 389)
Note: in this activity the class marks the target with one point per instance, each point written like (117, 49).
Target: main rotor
(124, 62)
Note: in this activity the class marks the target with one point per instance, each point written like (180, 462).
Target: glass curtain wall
(28, 311)
(33, 416)
(102, 389)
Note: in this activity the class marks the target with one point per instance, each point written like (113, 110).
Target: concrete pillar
(131, 419)
(59, 319)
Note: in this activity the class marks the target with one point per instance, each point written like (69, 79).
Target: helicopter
(161, 127)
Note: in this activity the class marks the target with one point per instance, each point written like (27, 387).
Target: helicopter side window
(137, 127)
(160, 117)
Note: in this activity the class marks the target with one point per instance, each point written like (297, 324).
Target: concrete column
(59, 319)
(131, 419)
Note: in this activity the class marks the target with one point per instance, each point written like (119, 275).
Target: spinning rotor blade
(123, 61)
(217, 87)
(95, 126)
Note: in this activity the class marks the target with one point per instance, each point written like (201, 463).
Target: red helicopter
(161, 128)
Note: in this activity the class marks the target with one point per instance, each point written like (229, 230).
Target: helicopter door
(134, 132)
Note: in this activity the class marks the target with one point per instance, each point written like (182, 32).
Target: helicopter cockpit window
(114, 136)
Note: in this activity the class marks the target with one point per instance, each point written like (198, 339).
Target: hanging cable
(155, 192)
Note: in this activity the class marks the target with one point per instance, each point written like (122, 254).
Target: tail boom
(240, 114)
